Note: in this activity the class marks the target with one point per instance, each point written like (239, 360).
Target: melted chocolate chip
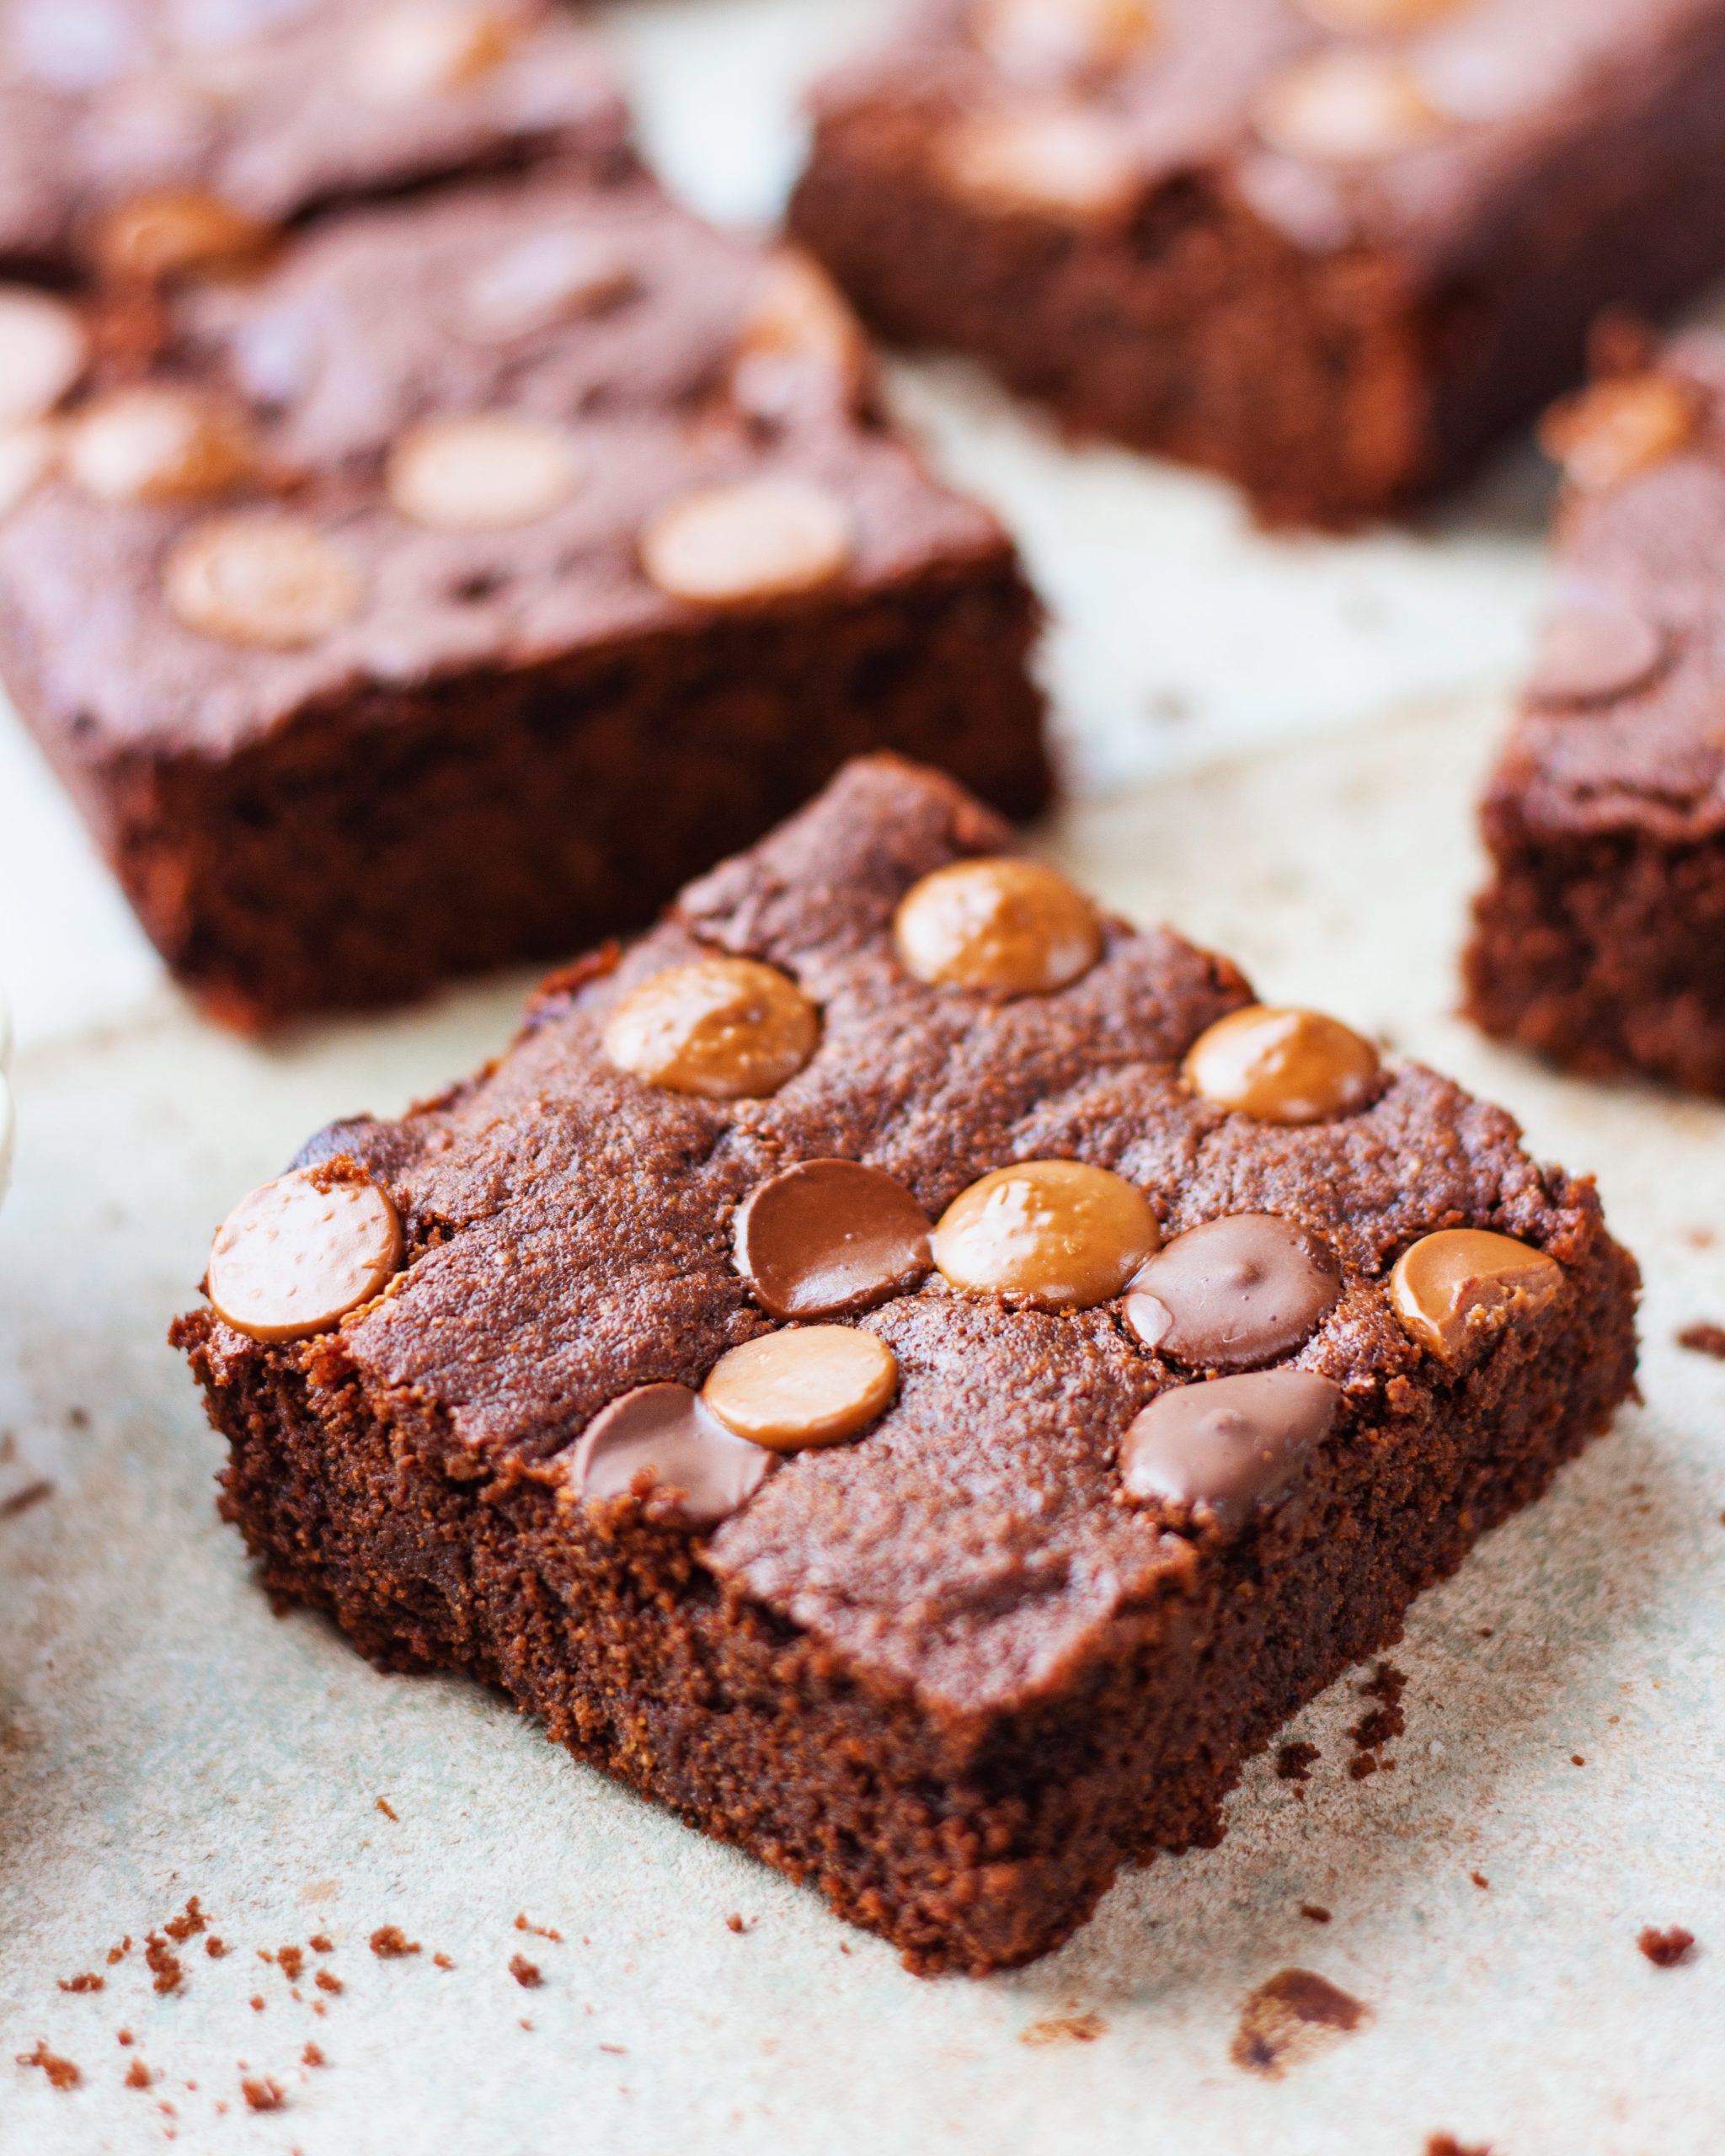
(828, 1238)
(1594, 648)
(1231, 1447)
(1235, 1291)
(661, 1442)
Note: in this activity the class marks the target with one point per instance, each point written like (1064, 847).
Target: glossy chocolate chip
(483, 472)
(157, 443)
(743, 545)
(1226, 1449)
(1611, 433)
(1242, 1290)
(1595, 648)
(800, 336)
(260, 577)
(1063, 162)
(297, 1254)
(1044, 42)
(1453, 1292)
(816, 1385)
(1282, 1065)
(174, 232)
(1346, 106)
(829, 1238)
(1005, 926)
(44, 350)
(1051, 1234)
(662, 1444)
(549, 277)
(425, 49)
(727, 1029)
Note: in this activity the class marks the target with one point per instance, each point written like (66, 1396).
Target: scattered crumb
(118, 1953)
(539, 1930)
(125, 2036)
(525, 1972)
(1577, 1760)
(263, 2096)
(61, 2072)
(441, 1961)
(1479, 1880)
(164, 1962)
(322, 1943)
(89, 1980)
(526, 2024)
(1699, 1238)
(1288, 2018)
(1666, 1949)
(1065, 2029)
(735, 1923)
(266, 1953)
(1373, 1730)
(1316, 1911)
(844, 1947)
(388, 1810)
(138, 2075)
(257, 2002)
(20, 1501)
(1446, 2144)
(186, 1925)
(290, 1960)
(1362, 1764)
(1704, 1340)
(215, 1947)
(389, 1944)
(1485, 1631)
(326, 1982)
(312, 2055)
(617, 2051)
(1293, 1764)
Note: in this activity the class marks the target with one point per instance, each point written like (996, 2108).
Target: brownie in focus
(917, 1377)
(1331, 249)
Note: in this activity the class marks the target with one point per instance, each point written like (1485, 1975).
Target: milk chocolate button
(661, 1443)
(260, 577)
(1231, 1447)
(738, 545)
(1619, 429)
(1236, 1291)
(1455, 1290)
(1061, 161)
(816, 1385)
(828, 1238)
(489, 472)
(1283, 1066)
(156, 443)
(799, 330)
(43, 350)
(174, 233)
(1053, 41)
(1368, 17)
(426, 49)
(726, 1028)
(545, 279)
(1347, 106)
(1593, 649)
(1006, 926)
(298, 1255)
(1051, 1234)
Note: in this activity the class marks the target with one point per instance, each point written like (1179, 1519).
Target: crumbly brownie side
(1340, 324)
(947, 1674)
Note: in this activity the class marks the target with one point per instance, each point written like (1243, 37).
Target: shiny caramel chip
(1370, 18)
(299, 1253)
(816, 1385)
(1283, 1066)
(1346, 106)
(1227, 1449)
(43, 350)
(662, 1444)
(1453, 1292)
(155, 442)
(1619, 429)
(1051, 1234)
(426, 49)
(1595, 648)
(260, 577)
(1244, 1290)
(829, 1238)
(740, 545)
(725, 1028)
(1060, 161)
(487, 472)
(1043, 42)
(549, 277)
(1004, 925)
(174, 232)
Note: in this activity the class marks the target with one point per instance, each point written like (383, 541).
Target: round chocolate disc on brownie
(662, 1440)
(1003, 926)
(1282, 1065)
(1596, 647)
(828, 1238)
(745, 544)
(1051, 1234)
(1454, 1291)
(1230, 1447)
(297, 1254)
(817, 1385)
(43, 350)
(1237, 1291)
(726, 1029)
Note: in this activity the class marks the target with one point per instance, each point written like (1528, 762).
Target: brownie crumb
(441, 1961)
(191, 1921)
(1316, 1911)
(1704, 1340)
(125, 2036)
(20, 1501)
(1362, 1764)
(257, 2002)
(735, 1922)
(1446, 2144)
(1577, 1760)
(388, 1810)
(164, 1963)
(1293, 1764)
(312, 2055)
(389, 1943)
(1479, 1880)
(89, 1980)
(1065, 2029)
(138, 2075)
(525, 1972)
(263, 2096)
(1666, 1949)
(539, 1930)
(215, 1947)
(321, 1943)
(1387, 1720)
(327, 1982)
(290, 1960)
(118, 1953)
(618, 2050)
(61, 2072)
(1292, 2014)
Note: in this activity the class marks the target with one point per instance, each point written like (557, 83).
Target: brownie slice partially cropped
(1601, 940)
(1331, 249)
(450, 593)
(916, 1376)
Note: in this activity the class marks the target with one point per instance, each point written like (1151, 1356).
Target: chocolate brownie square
(141, 138)
(453, 592)
(1331, 248)
(1601, 940)
(905, 1370)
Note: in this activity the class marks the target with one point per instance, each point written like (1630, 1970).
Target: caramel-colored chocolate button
(491, 472)
(1370, 17)
(154, 443)
(799, 329)
(27, 455)
(1043, 42)
(547, 278)
(1593, 649)
(727, 1029)
(299, 1253)
(738, 545)
(1283, 1066)
(662, 1444)
(1228, 1448)
(174, 232)
(1347, 106)
(43, 350)
(1063, 162)
(1454, 1291)
(426, 49)
(260, 577)
(1051, 1234)
(816, 1385)
(1616, 430)
(1005, 925)
(1236, 1291)
(828, 1238)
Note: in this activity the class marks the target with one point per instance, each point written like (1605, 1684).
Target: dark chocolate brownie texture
(958, 1669)
(134, 133)
(1331, 248)
(452, 592)
(1601, 940)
